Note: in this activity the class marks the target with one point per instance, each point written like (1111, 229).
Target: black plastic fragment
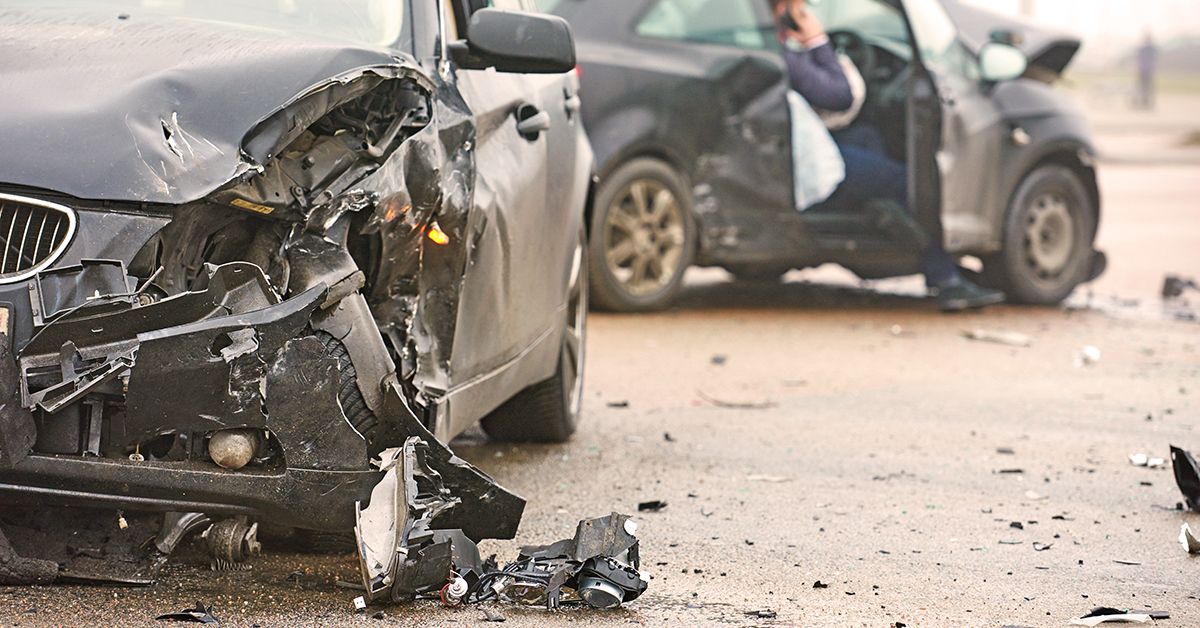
(201, 614)
(1187, 475)
(652, 506)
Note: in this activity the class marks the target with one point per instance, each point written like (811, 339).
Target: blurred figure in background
(1147, 70)
(816, 72)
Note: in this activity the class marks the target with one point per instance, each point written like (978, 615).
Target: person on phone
(816, 73)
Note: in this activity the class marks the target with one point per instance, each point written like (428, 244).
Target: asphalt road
(869, 456)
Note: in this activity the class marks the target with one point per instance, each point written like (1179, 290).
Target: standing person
(815, 71)
(1147, 69)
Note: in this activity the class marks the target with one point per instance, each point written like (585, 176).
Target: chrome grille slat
(35, 234)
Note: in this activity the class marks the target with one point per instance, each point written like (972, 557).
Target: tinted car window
(938, 40)
(723, 22)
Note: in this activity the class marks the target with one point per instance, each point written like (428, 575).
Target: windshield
(371, 22)
(871, 19)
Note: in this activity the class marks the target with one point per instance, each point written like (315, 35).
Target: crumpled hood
(147, 108)
(1047, 48)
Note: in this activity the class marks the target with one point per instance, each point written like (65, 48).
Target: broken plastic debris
(1088, 356)
(1143, 460)
(1174, 286)
(360, 603)
(652, 506)
(1111, 615)
(1187, 475)
(1007, 338)
(820, 585)
(1188, 540)
(765, 613)
(200, 615)
(769, 479)
(736, 405)
(493, 616)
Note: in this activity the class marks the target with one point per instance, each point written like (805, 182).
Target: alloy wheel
(645, 237)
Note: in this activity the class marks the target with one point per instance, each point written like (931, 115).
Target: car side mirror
(512, 41)
(1001, 62)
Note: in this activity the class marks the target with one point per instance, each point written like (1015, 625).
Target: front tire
(643, 237)
(549, 411)
(1049, 239)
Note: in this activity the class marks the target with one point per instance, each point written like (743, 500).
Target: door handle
(573, 105)
(532, 122)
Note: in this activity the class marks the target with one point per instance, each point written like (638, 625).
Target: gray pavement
(874, 465)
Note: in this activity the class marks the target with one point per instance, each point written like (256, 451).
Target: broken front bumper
(116, 400)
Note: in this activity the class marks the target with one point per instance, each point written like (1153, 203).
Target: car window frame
(760, 13)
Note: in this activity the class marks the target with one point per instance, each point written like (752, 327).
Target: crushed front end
(223, 356)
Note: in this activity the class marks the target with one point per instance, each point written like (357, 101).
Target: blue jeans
(871, 174)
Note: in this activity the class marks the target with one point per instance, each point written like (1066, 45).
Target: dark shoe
(965, 295)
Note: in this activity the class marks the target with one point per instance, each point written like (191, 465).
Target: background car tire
(614, 205)
(548, 412)
(1049, 239)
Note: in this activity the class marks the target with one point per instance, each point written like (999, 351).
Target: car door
(519, 238)
(736, 104)
(956, 132)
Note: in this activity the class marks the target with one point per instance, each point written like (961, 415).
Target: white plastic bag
(817, 163)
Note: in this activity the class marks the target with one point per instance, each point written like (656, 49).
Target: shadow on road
(744, 295)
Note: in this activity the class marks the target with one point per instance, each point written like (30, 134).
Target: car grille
(33, 235)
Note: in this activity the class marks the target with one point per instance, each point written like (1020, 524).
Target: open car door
(954, 131)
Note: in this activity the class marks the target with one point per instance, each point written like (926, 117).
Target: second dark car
(685, 103)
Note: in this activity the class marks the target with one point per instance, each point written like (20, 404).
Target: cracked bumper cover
(230, 356)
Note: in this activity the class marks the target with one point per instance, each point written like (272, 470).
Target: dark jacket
(818, 76)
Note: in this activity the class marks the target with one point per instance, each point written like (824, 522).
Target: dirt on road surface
(841, 435)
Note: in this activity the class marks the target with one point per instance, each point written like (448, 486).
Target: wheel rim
(1049, 236)
(644, 234)
(575, 338)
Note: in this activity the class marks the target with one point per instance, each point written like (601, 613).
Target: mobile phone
(789, 21)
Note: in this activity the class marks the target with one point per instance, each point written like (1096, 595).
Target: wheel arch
(1074, 155)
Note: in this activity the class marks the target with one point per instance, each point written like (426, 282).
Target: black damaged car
(248, 246)
(686, 106)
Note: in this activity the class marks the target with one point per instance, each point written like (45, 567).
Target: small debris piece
(1174, 286)
(1011, 472)
(1088, 356)
(820, 585)
(1017, 524)
(1041, 547)
(733, 405)
(769, 479)
(1143, 460)
(1111, 615)
(200, 615)
(652, 506)
(1006, 451)
(493, 616)
(1187, 475)
(1188, 540)
(1131, 563)
(379, 615)
(621, 405)
(765, 613)
(719, 360)
(360, 604)
(1007, 338)
(667, 437)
